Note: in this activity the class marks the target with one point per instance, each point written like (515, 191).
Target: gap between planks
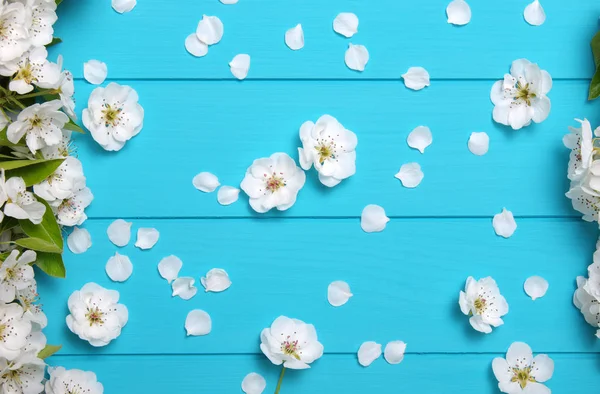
(426, 354)
(566, 218)
(399, 79)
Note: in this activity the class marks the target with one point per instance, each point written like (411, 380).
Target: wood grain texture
(149, 42)
(406, 282)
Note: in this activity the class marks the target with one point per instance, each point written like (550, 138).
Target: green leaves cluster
(595, 85)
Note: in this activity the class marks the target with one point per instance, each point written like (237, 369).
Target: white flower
(330, 147)
(96, 316)
(520, 372)
(66, 90)
(72, 381)
(71, 211)
(43, 17)
(28, 298)
(521, 96)
(60, 151)
(36, 341)
(291, 342)
(63, 183)
(16, 274)
(21, 204)
(585, 203)
(483, 302)
(23, 375)
(33, 68)
(580, 141)
(15, 330)
(41, 125)
(273, 182)
(14, 37)
(113, 115)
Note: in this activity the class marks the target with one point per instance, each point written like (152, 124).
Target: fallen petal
(534, 14)
(79, 240)
(119, 268)
(356, 57)
(368, 352)
(122, 6)
(184, 288)
(410, 175)
(95, 71)
(458, 12)
(420, 138)
(194, 46)
(227, 195)
(169, 268)
(216, 280)
(119, 232)
(479, 143)
(254, 383)
(394, 352)
(416, 78)
(294, 38)
(206, 182)
(373, 219)
(210, 30)
(197, 323)
(338, 293)
(346, 24)
(239, 65)
(147, 238)
(504, 223)
(536, 287)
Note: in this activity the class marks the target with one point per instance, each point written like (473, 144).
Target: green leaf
(74, 127)
(48, 230)
(595, 86)
(48, 351)
(54, 41)
(51, 263)
(8, 223)
(32, 171)
(4, 139)
(58, 2)
(596, 49)
(39, 245)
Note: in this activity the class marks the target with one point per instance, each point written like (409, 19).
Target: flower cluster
(587, 295)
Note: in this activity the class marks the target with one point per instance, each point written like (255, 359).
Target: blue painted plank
(406, 282)
(149, 41)
(422, 374)
(222, 127)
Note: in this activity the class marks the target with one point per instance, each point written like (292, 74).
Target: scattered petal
(356, 57)
(410, 175)
(534, 14)
(147, 238)
(368, 352)
(184, 288)
(394, 352)
(169, 268)
(194, 46)
(119, 232)
(119, 268)
(239, 65)
(479, 143)
(95, 71)
(254, 383)
(536, 287)
(206, 182)
(338, 293)
(227, 195)
(346, 24)
(416, 78)
(122, 6)
(294, 38)
(216, 280)
(373, 219)
(210, 30)
(79, 241)
(504, 223)
(420, 138)
(459, 12)
(229, 1)
(197, 323)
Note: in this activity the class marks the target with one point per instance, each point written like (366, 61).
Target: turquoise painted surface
(405, 280)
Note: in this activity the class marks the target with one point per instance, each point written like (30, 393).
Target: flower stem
(36, 94)
(280, 380)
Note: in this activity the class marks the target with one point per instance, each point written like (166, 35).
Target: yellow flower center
(524, 93)
(480, 305)
(274, 183)
(13, 375)
(112, 116)
(26, 74)
(290, 348)
(522, 376)
(35, 122)
(95, 316)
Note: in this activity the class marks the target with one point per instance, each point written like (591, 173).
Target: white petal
(194, 46)
(122, 6)
(216, 280)
(416, 78)
(373, 219)
(169, 268)
(206, 182)
(294, 38)
(184, 288)
(346, 24)
(119, 268)
(368, 352)
(229, 1)
(210, 30)
(338, 293)
(479, 143)
(504, 223)
(95, 71)
(534, 14)
(394, 352)
(198, 322)
(356, 57)
(119, 232)
(459, 12)
(254, 383)
(227, 195)
(536, 287)
(147, 238)
(79, 240)
(239, 65)
(410, 175)
(420, 138)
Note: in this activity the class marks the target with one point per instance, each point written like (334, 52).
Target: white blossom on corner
(587, 296)
(64, 182)
(71, 211)
(15, 40)
(15, 332)
(483, 302)
(521, 373)
(43, 17)
(72, 381)
(23, 375)
(33, 68)
(20, 203)
(28, 298)
(41, 124)
(580, 142)
(16, 274)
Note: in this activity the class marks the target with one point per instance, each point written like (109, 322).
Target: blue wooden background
(405, 280)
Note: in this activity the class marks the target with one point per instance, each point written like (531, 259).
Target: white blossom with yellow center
(483, 302)
(521, 373)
